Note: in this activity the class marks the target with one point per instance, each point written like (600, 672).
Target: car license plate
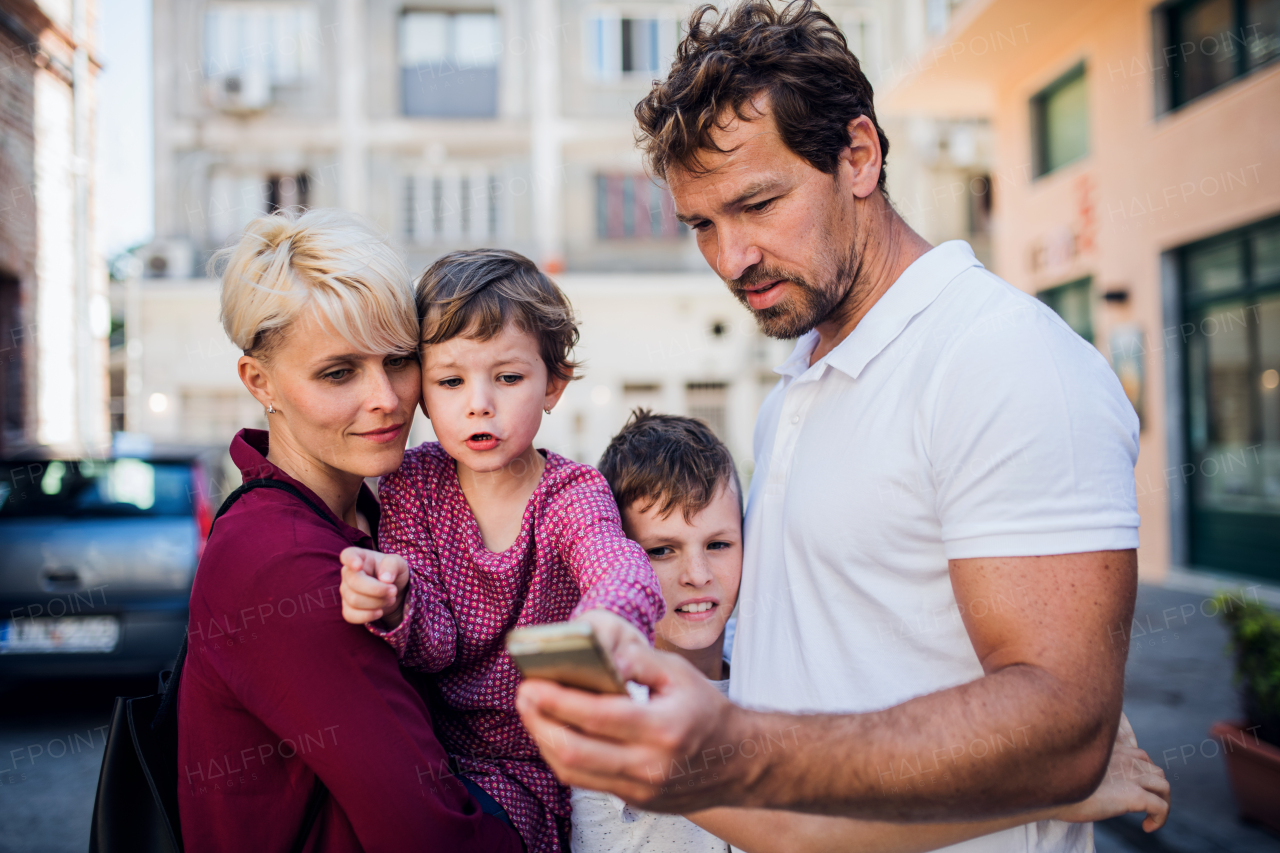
(66, 634)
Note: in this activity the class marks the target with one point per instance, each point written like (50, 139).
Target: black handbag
(136, 808)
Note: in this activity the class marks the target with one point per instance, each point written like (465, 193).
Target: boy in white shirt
(678, 493)
(679, 497)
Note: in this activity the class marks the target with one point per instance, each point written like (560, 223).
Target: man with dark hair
(941, 527)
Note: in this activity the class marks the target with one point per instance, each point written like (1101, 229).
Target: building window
(287, 191)
(1231, 329)
(980, 205)
(938, 15)
(117, 405)
(631, 206)
(1207, 43)
(709, 402)
(863, 38)
(235, 199)
(449, 64)
(618, 46)
(455, 207)
(13, 335)
(1073, 302)
(641, 395)
(1060, 122)
(250, 48)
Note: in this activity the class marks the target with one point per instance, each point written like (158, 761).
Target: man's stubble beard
(808, 305)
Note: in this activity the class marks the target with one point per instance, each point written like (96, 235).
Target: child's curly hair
(475, 293)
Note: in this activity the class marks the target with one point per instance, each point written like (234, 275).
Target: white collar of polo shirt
(915, 290)
(798, 362)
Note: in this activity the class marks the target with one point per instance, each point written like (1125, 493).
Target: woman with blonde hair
(297, 730)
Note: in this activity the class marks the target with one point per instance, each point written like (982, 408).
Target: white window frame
(435, 215)
(862, 32)
(489, 57)
(602, 40)
(287, 59)
(235, 198)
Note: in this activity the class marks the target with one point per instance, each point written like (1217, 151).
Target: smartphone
(568, 653)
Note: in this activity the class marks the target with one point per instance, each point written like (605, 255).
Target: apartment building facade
(471, 123)
(54, 312)
(1136, 192)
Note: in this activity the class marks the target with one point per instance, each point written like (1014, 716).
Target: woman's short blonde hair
(331, 262)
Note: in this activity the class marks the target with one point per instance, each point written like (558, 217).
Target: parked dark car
(96, 562)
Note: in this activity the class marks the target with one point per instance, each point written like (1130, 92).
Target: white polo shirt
(960, 418)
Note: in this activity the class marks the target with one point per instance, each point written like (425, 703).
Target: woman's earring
(547, 410)
(271, 409)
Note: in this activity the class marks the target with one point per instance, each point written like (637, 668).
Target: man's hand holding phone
(607, 743)
(372, 587)
(614, 633)
(579, 653)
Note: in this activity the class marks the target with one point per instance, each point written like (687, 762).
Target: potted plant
(1252, 748)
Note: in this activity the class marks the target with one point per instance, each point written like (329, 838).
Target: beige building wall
(679, 344)
(56, 312)
(658, 329)
(1150, 183)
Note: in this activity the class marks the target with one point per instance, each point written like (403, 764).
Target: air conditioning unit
(169, 258)
(246, 90)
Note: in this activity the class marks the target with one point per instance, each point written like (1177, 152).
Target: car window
(95, 487)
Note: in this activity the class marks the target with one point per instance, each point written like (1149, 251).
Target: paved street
(1179, 683)
(51, 739)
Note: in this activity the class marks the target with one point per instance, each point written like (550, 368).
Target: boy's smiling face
(699, 565)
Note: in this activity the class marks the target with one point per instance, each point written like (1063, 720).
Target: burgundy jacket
(278, 689)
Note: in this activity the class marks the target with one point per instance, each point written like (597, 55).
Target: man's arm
(1132, 784)
(1035, 731)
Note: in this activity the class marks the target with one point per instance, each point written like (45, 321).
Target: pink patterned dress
(570, 556)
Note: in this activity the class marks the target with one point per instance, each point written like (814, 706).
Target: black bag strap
(250, 485)
(169, 704)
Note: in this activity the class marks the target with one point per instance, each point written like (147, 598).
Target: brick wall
(17, 158)
(17, 234)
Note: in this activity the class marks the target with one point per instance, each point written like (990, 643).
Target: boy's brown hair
(667, 461)
(476, 293)
(795, 56)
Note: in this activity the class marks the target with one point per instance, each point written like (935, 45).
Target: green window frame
(1060, 122)
(1230, 333)
(1208, 44)
(1073, 302)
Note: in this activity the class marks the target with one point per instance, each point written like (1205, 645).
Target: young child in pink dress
(492, 534)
